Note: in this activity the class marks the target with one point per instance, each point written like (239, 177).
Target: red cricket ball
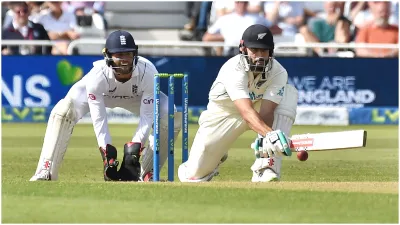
(302, 155)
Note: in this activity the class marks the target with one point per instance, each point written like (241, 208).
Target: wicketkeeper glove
(275, 143)
(130, 167)
(109, 156)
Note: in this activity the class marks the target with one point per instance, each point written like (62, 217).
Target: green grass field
(349, 186)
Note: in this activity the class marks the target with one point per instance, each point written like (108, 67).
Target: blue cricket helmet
(120, 41)
(117, 42)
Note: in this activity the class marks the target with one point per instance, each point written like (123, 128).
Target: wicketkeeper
(123, 79)
(250, 92)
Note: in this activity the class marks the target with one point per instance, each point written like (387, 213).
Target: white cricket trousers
(217, 133)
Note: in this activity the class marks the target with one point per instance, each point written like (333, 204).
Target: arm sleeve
(276, 87)
(146, 108)
(95, 90)
(216, 27)
(236, 85)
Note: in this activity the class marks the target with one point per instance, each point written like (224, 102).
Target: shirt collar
(16, 26)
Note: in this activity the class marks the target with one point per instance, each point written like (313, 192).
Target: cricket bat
(328, 141)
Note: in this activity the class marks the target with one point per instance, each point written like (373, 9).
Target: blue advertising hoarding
(40, 81)
(376, 116)
(32, 85)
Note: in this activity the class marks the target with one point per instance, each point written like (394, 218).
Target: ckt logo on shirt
(281, 91)
(253, 96)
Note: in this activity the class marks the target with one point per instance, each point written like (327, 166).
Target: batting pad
(284, 116)
(58, 133)
(285, 112)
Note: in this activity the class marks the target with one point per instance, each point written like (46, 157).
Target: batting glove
(275, 143)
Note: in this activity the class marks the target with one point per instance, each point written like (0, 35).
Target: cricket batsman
(123, 79)
(251, 91)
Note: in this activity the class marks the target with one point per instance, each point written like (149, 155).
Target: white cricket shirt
(100, 90)
(234, 82)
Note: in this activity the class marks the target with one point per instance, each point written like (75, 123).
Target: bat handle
(286, 144)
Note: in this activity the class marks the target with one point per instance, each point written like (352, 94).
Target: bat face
(329, 140)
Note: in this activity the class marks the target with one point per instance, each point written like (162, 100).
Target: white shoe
(42, 175)
(265, 175)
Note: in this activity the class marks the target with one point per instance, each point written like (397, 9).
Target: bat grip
(285, 144)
